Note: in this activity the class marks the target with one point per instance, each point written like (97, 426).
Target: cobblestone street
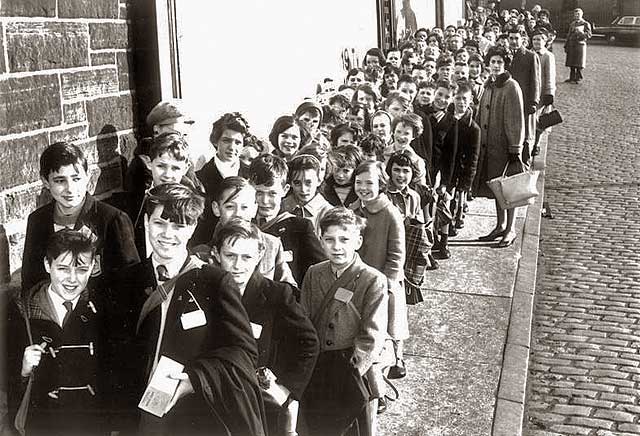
(584, 375)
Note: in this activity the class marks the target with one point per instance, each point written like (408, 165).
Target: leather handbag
(516, 190)
(549, 119)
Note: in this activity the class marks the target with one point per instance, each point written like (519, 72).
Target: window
(626, 21)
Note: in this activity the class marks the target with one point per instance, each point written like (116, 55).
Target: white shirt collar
(58, 304)
(227, 169)
(173, 268)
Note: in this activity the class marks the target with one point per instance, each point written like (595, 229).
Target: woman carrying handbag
(501, 120)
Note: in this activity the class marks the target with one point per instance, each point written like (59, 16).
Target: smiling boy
(63, 171)
(191, 313)
(65, 343)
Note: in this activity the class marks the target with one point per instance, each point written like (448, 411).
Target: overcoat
(468, 151)
(112, 227)
(219, 357)
(576, 44)
(54, 409)
(501, 122)
(525, 69)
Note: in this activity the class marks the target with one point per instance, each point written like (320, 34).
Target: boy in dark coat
(63, 170)
(337, 189)
(287, 341)
(57, 366)
(192, 314)
(268, 175)
(468, 149)
(445, 150)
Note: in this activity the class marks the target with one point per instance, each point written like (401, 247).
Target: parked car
(625, 28)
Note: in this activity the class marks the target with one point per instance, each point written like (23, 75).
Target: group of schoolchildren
(261, 291)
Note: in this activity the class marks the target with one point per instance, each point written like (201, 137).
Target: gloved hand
(546, 100)
(531, 109)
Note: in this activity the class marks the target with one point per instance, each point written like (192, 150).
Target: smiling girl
(383, 248)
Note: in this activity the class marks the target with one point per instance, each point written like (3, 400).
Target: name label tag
(193, 319)
(257, 330)
(343, 295)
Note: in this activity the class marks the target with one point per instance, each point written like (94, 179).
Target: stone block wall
(65, 75)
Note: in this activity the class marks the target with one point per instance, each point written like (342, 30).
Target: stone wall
(65, 74)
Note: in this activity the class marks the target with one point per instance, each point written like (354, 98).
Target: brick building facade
(65, 74)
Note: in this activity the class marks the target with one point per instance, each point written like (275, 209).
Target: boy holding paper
(196, 348)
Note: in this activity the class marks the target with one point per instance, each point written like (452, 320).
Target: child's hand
(31, 358)
(184, 388)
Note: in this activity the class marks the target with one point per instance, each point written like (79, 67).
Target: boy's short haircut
(372, 144)
(427, 84)
(461, 64)
(234, 229)
(471, 43)
(429, 59)
(410, 120)
(354, 72)
(342, 217)
(406, 78)
(475, 58)
(340, 99)
(67, 240)
(501, 36)
(460, 50)
(303, 162)
(377, 53)
(444, 83)
(402, 98)
(235, 184)
(345, 156)
(374, 168)
(283, 123)
(266, 169)
(61, 154)
(182, 205)
(390, 69)
(444, 61)
(464, 86)
(401, 159)
(405, 45)
(341, 129)
(229, 121)
(172, 144)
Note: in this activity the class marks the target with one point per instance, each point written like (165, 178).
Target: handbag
(516, 190)
(549, 119)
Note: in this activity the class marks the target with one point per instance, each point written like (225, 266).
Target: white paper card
(343, 295)
(257, 330)
(193, 319)
(161, 388)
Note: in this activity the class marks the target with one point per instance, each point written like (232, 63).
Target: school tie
(163, 273)
(69, 306)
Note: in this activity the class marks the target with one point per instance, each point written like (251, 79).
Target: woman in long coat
(501, 120)
(576, 46)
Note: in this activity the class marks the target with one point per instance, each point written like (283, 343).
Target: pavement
(584, 375)
(468, 353)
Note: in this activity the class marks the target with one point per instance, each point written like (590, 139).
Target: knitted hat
(168, 112)
(307, 106)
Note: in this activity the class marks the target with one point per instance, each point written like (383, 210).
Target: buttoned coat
(468, 151)
(576, 44)
(361, 323)
(113, 228)
(525, 69)
(501, 122)
(547, 72)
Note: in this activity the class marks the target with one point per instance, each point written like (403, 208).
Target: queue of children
(263, 288)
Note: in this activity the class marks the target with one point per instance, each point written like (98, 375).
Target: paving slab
(459, 327)
(441, 397)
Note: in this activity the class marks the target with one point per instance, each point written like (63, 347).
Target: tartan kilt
(418, 244)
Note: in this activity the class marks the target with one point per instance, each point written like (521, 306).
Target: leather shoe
(453, 230)
(397, 371)
(442, 253)
(495, 234)
(460, 224)
(507, 239)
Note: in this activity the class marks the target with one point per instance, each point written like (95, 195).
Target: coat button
(486, 126)
(331, 325)
(329, 342)
(488, 106)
